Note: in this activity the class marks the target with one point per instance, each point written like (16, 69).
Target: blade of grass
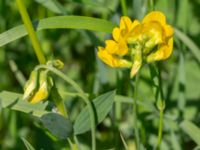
(195, 50)
(192, 130)
(59, 22)
(27, 144)
(52, 5)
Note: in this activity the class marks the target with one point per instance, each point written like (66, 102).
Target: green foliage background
(77, 49)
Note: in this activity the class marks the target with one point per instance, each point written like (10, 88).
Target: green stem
(135, 112)
(31, 32)
(160, 130)
(124, 9)
(159, 96)
(161, 107)
(81, 94)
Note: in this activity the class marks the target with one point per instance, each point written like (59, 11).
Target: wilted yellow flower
(45, 85)
(38, 86)
(135, 42)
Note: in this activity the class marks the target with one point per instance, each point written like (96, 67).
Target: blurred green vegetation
(77, 49)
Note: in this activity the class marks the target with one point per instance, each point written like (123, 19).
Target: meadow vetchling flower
(45, 85)
(134, 42)
(38, 86)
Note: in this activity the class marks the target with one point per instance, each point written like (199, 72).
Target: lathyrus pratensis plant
(40, 86)
(135, 43)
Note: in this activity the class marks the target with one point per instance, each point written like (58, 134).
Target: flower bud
(56, 63)
(45, 85)
(31, 85)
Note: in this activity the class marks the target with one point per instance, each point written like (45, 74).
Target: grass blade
(192, 130)
(27, 144)
(52, 5)
(189, 43)
(71, 22)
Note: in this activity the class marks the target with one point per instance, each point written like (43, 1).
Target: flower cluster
(135, 42)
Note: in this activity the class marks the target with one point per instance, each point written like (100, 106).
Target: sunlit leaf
(71, 22)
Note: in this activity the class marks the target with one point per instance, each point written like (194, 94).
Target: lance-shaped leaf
(102, 106)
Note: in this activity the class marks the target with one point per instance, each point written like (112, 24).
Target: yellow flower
(135, 42)
(45, 84)
(38, 86)
(112, 59)
(115, 49)
(165, 48)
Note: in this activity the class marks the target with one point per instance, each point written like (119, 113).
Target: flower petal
(169, 31)
(134, 24)
(41, 94)
(116, 34)
(155, 16)
(112, 60)
(163, 53)
(125, 23)
(115, 48)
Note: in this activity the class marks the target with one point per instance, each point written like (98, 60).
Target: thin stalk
(124, 8)
(135, 113)
(151, 5)
(31, 32)
(160, 130)
(161, 107)
(81, 94)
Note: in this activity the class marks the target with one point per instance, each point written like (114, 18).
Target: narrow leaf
(72, 22)
(58, 125)
(14, 101)
(189, 43)
(27, 144)
(123, 141)
(102, 105)
(192, 130)
(52, 5)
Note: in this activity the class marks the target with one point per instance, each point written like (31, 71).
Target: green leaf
(27, 144)
(72, 22)
(58, 125)
(192, 130)
(189, 43)
(52, 5)
(102, 105)
(14, 101)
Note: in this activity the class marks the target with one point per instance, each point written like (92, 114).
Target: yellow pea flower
(112, 60)
(135, 42)
(115, 49)
(45, 84)
(165, 48)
